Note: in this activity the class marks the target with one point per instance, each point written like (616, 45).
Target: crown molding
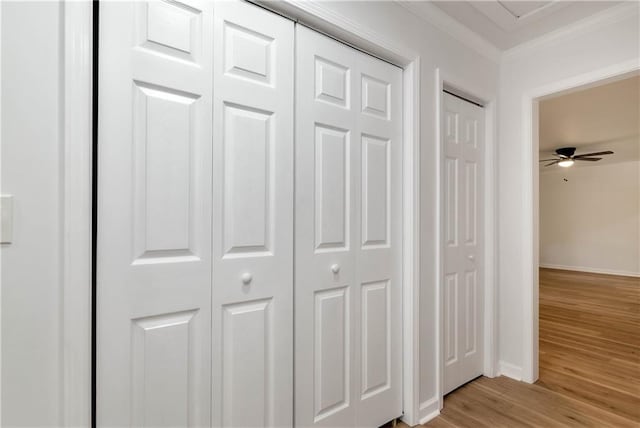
(443, 22)
(609, 16)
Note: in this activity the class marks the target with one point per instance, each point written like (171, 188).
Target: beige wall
(591, 222)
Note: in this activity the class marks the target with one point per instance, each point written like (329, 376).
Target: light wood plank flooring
(589, 362)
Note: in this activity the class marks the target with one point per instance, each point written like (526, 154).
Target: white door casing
(463, 241)
(348, 235)
(252, 217)
(154, 214)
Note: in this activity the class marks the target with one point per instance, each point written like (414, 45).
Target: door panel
(348, 219)
(463, 125)
(332, 350)
(252, 327)
(247, 346)
(154, 214)
(162, 353)
(331, 189)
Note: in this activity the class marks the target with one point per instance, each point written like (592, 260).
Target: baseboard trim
(591, 270)
(509, 370)
(428, 410)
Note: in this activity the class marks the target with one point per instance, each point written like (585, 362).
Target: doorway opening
(531, 249)
(588, 202)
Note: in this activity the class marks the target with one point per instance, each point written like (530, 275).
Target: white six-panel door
(154, 214)
(462, 283)
(348, 235)
(253, 217)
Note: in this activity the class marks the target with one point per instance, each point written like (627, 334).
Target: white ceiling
(605, 117)
(506, 24)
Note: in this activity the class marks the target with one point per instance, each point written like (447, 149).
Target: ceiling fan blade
(587, 159)
(608, 152)
(553, 163)
(547, 160)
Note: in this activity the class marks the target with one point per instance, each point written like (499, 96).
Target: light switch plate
(6, 213)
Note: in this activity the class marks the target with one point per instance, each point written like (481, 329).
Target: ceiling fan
(565, 157)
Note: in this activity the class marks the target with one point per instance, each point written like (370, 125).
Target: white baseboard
(509, 370)
(590, 270)
(429, 410)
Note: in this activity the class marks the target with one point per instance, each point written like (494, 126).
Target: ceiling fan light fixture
(565, 163)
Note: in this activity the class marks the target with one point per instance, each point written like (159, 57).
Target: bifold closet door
(253, 217)
(154, 214)
(348, 235)
(463, 290)
(195, 215)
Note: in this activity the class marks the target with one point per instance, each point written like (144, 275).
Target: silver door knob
(335, 268)
(246, 278)
(471, 257)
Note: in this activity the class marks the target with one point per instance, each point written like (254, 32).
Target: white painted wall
(607, 39)
(591, 222)
(31, 168)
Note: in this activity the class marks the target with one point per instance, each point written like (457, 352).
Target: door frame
(446, 80)
(77, 223)
(316, 16)
(530, 195)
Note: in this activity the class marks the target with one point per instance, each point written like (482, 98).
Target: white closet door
(463, 290)
(252, 217)
(154, 214)
(348, 235)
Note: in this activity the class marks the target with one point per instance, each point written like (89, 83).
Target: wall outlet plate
(6, 213)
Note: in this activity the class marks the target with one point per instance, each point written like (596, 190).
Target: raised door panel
(376, 97)
(164, 174)
(252, 349)
(248, 352)
(332, 352)
(248, 54)
(470, 202)
(170, 28)
(376, 333)
(451, 201)
(451, 319)
(332, 82)
(375, 191)
(248, 188)
(162, 360)
(470, 310)
(154, 214)
(332, 188)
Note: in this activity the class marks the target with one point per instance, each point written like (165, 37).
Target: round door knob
(471, 257)
(246, 278)
(335, 268)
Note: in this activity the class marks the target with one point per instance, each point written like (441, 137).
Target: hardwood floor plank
(589, 329)
(563, 409)
(601, 396)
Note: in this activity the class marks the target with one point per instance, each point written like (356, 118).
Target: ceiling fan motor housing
(566, 152)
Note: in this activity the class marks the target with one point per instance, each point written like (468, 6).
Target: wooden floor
(589, 362)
